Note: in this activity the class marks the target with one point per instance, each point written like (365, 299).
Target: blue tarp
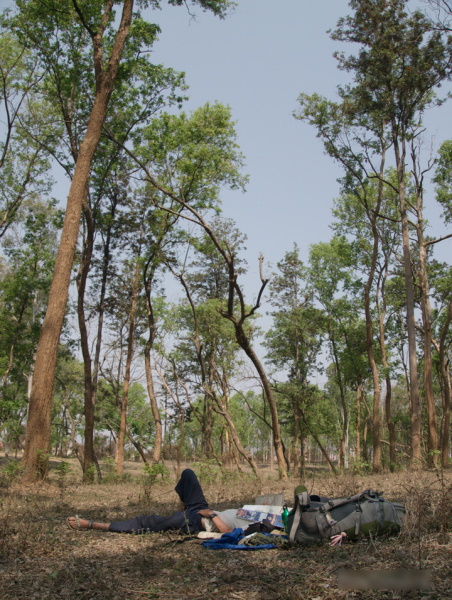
(229, 541)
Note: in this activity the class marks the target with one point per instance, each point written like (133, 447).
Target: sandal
(78, 526)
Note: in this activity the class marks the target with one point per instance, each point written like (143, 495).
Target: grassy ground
(40, 558)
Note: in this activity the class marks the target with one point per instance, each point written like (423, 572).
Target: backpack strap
(367, 495)
(304, 499)
(325, 520)
(358, 513)
(301, 503)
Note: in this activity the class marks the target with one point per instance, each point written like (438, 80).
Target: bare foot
(83, 524)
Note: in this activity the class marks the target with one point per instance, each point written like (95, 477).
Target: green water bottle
(284, 515)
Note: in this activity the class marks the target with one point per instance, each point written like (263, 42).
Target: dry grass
(41, 559)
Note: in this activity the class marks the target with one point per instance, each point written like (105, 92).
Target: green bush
(151, 472)
(360, 467)
(149, 477)
(89, 476)
(109, 474)
(12, 471)
(207, 471)
(43, 463)
(61, 471)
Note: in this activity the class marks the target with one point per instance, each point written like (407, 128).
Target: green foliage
(12, 471)
(322, 414)
(400, 62)
(23, 164)
(152, 472)
(42, 463)
(62, 470)
(68, 404)
(207, 471)
(110, 476)
(150, 476)
(28, 249)
(443, 180)
(109, 467)
(46, 59)
(192, 156)
(295, 338)
(360, 467)
(89, 476)
(139, 411)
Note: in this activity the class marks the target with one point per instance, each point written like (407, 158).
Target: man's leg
(77, 523)
(143, 524)
(190, 491)
(149, 523)
(192, 496)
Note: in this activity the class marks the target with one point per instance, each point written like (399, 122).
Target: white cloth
(229, 517)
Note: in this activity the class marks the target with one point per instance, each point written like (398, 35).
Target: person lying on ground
(193, 516)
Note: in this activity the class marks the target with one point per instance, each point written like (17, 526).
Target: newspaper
(259, 512)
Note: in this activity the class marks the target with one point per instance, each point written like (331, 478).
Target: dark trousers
(188, 521)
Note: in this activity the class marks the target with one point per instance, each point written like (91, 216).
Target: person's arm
(208, 513)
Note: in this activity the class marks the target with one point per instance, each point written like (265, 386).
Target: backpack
(314, 518)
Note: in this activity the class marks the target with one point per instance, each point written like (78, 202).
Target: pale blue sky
(257, 61)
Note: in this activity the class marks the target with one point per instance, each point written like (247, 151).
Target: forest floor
(40, 558)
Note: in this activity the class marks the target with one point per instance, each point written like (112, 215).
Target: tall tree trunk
(445, 434)
(432, 435)
(415, 452)
(235, 438)
(82, 277)
(243, 341)
(321, 446)
(358, 423)
(388, 396)
(227, 459)
(90, 399)
(158, 437)
(365, 432)
(207, 423)
(270, 452)
(427, 319)
(137, 446)
(296, 436)
(376, 427)
(180, 443)
(343, 405)
(125, 394)
(442, 350)
(302, 473)
(390, 424)
(236, 458)
(38, 427)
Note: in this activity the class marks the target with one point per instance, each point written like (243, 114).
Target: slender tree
(294, 341)
(44, 27)
(400, 63)
(106, 67)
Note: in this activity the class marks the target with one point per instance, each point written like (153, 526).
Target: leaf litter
(41, 558)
